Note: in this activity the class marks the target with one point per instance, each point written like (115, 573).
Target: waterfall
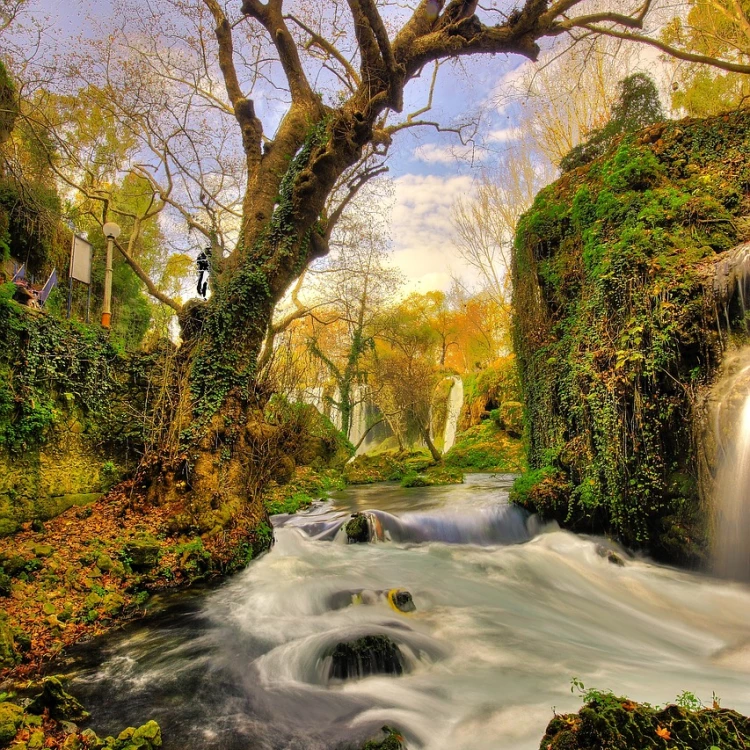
(359, 413)
(455, 402)
(730, 550)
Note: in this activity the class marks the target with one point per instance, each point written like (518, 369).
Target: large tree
(331, 78)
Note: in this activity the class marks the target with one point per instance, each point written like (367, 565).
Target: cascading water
(359, 414)
(497, 632)
(455, 402)
(731, 503)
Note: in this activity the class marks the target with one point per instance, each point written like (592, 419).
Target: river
(505, 617)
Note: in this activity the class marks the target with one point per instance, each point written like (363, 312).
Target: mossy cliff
(616, 331)
(69, 406)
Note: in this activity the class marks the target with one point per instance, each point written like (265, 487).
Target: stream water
(731, 502)
(504, 619)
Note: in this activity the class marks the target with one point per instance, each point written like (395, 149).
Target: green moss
(486, 447)
(385, 466)
(616, 328)
(392, 741)
(11, 719)
(432, 477)
(617, 723)
(304, 488)
(357, 530)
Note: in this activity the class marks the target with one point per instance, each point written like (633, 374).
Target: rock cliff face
(625, 275)
(72, 415)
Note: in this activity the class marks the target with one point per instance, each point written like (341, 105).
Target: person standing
(204, 264)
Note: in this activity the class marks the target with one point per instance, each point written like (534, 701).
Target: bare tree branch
(714, 62)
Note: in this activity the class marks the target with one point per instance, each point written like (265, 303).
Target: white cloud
(431, 153)
(505, 135)
(424, 246)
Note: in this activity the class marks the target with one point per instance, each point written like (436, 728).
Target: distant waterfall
(731, 521)
(359, 414)
(455, 402)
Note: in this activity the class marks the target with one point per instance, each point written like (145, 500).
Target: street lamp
(111, 232)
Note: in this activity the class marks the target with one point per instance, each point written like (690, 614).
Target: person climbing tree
(203, 263)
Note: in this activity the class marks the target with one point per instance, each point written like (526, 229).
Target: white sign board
(80, 260)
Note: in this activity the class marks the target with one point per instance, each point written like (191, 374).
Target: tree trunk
(229, 454)
(434, 452)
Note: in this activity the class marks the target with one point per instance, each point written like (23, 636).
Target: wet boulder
(610, 555)
(358, 529)
(399, 599)
(61, 705)
(368, 655)
(393, 740)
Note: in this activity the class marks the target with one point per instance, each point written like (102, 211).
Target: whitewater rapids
(506, 614)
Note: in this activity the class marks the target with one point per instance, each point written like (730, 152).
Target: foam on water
(499, 632)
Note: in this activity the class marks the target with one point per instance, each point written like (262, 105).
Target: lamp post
(111, 232)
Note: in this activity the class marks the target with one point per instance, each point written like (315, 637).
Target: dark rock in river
(358, 529)
(620, 724)
(400, 599)
(371, 654)
(392, 741)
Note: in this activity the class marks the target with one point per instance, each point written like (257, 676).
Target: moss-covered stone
(147, 737)
(142, 554)
(620, 724)
(393, 740)
(11, 720)
(9, 657)
(13, 565)
(60, 705)
(104, 563)
(358, 529)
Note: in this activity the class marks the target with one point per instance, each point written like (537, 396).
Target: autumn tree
(714, 28)
(260, 192)
(360, 284)
(404, 367)
(485, 222)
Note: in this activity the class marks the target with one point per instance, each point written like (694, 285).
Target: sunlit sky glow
(430, 170)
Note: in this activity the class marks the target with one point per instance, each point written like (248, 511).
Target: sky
(427, 177)
(429, 170)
